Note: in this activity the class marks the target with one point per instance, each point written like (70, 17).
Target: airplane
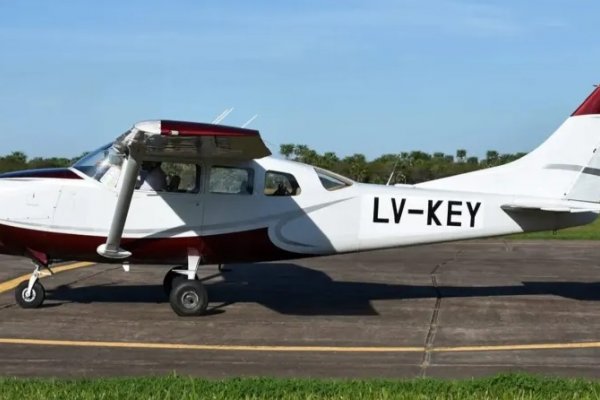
(191, 194)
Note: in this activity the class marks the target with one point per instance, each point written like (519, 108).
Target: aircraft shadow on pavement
(297, 290)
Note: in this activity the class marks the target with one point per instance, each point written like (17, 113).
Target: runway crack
(433, 323)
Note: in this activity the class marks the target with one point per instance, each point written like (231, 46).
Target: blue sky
(346, 76)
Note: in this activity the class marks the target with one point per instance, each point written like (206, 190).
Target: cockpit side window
(182, 177)
(331, 181)
(173, 177)
(281, 184)
(231, 180)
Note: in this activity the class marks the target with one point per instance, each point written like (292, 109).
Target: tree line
(409, 167)
(18, 160)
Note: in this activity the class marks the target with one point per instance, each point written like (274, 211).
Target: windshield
(103, 164)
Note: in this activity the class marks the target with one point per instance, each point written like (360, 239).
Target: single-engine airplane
(189, 194)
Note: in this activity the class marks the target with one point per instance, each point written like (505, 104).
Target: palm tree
(491, 157)
(286, 150)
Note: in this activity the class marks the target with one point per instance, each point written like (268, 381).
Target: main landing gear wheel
(169, 278)
(168, 281)
(188, 297)
(34, 299)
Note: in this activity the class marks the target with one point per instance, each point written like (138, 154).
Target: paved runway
(450, 310)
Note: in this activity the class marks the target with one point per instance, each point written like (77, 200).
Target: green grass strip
(586, 232)
(511, 386)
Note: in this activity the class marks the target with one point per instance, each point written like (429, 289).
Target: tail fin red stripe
(591, 105)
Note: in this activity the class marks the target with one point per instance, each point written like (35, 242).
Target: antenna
(250, 121)
(222, 116)
(393, 171)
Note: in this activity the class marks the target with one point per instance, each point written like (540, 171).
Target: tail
(566, 166)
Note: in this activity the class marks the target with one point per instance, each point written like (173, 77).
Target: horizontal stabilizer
(550, 206)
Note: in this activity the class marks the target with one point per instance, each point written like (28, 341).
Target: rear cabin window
(281, 184)
(169, 177)
(231, 180)
(331, 181)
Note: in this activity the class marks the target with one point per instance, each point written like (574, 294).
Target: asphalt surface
(380, 314)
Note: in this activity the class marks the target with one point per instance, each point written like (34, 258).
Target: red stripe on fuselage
(248, 246)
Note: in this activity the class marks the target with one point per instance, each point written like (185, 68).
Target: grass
(511, 386)
(586, 232)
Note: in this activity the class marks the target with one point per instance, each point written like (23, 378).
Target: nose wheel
(31, 293)
(30, 297)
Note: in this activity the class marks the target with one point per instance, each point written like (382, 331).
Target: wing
(177, 139)
(173, 140)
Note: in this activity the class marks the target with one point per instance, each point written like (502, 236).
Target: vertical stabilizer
(565, 166)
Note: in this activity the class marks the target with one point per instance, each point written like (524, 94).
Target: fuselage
(66, 214)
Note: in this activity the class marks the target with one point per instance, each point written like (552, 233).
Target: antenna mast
(393, 171)
(222, 116)
(250, 121)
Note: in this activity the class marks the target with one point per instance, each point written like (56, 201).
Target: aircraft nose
(3, 206)
(4, 247)
(11, 204)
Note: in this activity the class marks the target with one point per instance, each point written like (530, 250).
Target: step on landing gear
(187, 295)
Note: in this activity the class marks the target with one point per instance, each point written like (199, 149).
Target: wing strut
(112, 247)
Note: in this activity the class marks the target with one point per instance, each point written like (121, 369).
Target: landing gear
(30, 298)
(168, 281)
(31, 293)
(187, 294)
(188, 298)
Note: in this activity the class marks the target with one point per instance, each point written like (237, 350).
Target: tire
(37, 297)
(168, 281)
(169, 278)
(188, 298)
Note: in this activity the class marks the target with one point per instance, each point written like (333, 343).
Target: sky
(369, 77)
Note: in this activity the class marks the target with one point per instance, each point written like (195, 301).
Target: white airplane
(190, 194)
